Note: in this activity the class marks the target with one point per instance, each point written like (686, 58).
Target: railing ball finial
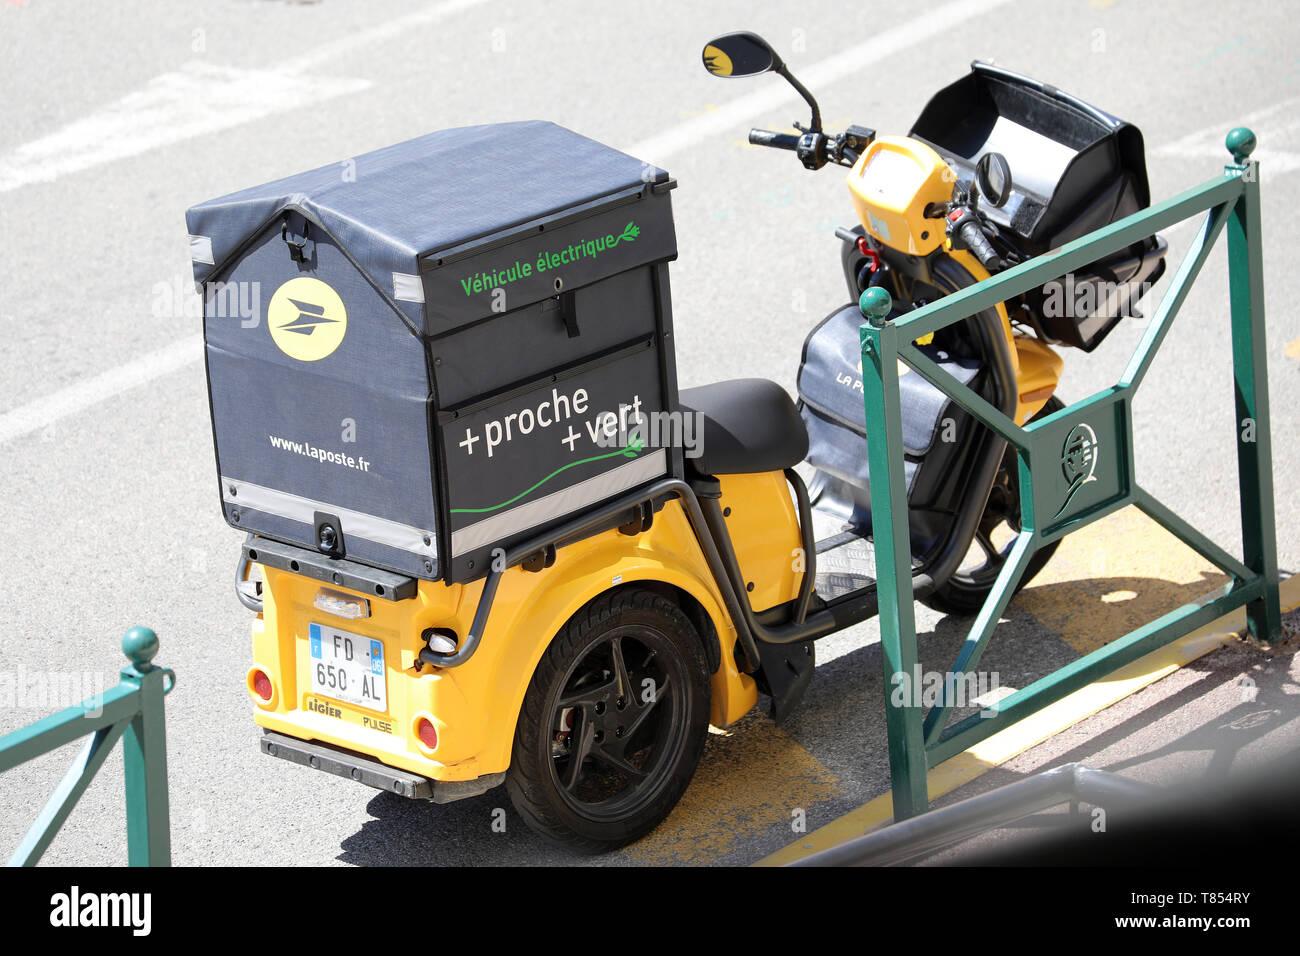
(140, 645)
(1241, 143)
(875, 304)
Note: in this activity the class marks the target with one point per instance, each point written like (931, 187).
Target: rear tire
(965, 592)
(623, 690)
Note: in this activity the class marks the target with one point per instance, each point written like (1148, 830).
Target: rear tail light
(260, 686)
(426, 732)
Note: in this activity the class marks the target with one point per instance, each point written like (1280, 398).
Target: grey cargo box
(440, 348)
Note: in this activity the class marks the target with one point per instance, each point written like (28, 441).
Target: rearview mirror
(740, 54)
(748, 54)
(993, 176)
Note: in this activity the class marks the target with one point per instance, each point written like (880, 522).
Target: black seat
(750, 425)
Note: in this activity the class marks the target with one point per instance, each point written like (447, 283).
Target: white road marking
(1207, 143)
(776, 92)
(98, 388)
(333, 49)
(198, 99)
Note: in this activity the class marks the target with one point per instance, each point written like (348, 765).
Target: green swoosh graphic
(631, 451)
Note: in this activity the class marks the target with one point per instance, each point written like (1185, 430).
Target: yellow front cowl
(891, 184)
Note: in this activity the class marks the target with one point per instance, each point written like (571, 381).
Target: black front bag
(1074, 168)
(439, 349)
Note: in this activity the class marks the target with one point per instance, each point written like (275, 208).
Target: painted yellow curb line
(1019, 737)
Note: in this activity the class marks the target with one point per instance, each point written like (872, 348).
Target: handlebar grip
(765, 137)
(979, 245)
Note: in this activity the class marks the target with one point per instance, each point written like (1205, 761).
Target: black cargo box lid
(443, 196)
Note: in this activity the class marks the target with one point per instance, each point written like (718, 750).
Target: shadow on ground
(757, 782)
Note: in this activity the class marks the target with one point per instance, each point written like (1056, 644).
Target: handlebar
(765, 137)
(978, 243)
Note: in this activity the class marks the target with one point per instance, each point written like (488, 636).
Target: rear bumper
(372, 773)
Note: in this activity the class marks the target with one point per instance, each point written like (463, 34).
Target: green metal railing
(131, 711)
(1055, 501)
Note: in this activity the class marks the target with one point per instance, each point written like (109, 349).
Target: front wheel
(965, 592)
(612, 724)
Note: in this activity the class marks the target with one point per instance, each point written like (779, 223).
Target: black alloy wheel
(612, 724)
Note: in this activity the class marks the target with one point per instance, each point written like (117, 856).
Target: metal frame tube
(1232, 201)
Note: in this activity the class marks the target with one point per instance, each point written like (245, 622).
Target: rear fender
(531, 608)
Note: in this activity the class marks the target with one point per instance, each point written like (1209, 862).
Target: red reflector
(427, 733)
(262, 686)
(954, 215)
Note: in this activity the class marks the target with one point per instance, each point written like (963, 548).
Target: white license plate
(348, 667)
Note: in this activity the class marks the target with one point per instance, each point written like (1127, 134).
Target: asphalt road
(116, 119)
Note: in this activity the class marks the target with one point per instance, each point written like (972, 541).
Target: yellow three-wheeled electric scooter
(489, 541)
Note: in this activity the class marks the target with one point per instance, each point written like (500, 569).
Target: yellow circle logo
(717, 62)
(307, 319)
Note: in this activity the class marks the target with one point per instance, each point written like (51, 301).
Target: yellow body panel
(474, 706)
(764, 529)
(1038, 367)
(891, 183)
(1037, 375)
